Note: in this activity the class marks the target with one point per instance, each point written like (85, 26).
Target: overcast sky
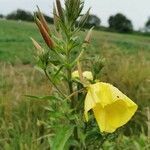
(136, 10)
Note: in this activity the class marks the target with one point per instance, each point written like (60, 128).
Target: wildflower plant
(78, 99)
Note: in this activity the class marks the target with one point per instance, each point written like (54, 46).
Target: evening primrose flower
(86, 74)
(112, 109)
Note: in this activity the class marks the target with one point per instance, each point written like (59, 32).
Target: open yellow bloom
(86, 74)
(111, 107)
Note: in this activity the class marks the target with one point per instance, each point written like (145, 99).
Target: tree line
(117, 23)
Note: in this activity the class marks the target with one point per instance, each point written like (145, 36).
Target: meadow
(22, 120)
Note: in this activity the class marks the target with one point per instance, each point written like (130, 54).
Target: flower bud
(88, 36)
(59, 9)
(40, 50)
(43, 21)
(86, 75)
(44, 33)
(55, 18)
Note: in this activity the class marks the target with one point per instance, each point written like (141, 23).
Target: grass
(15, 41)
(22, 121)
(18, 115)
(16, 45)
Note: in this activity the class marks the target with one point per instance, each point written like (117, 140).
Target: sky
(136, 10)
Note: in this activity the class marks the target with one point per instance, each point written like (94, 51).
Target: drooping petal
(92, 98)
(113, 116)
(111, 107)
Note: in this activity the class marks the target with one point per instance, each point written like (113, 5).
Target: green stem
(70, 87)
(60, 92)
(73, 101)
(73, 105)
(69, 72)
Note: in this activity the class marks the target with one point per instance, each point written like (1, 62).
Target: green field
(15, 43)
(22, 120)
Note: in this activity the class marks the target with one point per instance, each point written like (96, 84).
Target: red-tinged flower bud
(44, 33)
(43, 21)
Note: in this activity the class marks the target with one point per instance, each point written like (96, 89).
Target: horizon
(137, 12)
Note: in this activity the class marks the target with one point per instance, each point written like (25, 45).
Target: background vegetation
(117, 22)
(22, 127)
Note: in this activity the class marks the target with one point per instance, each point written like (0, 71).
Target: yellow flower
(86, 74)
(111, 107)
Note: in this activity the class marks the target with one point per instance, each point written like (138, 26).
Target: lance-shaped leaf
(42, 19)
(79, 6)
(84, 18)
(44, 33)
(42, 97)
(73, 10)
(61, 137)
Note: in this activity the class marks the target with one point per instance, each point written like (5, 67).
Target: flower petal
(111, 107)
(115, 115)
(92, 98)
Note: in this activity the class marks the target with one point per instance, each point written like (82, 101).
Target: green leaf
(61, 138)
(42, 97)
(83, 19)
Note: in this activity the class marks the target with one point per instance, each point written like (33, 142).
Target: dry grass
(18, 81)
(18, 114)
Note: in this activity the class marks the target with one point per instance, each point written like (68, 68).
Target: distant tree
(93, 20)
(120, 23)
(48, 19)
(147, 25)
(20, 15)
(1, 16)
